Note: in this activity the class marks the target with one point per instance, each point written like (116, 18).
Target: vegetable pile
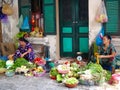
(94, 72)
(22, 62)
(88, 74)
(71, 80)
(2, 64)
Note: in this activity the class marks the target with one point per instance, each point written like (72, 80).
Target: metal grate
(25, 2)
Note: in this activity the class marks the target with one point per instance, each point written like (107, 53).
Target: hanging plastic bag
(99, 38)
(101, 15)
(20, 22)
(25, 26)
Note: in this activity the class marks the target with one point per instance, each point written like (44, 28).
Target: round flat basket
(53, 77)
(63, 71)
(71, 85)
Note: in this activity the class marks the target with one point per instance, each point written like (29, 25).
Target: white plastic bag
(101, 14)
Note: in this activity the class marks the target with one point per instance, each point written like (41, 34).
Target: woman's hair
(108, 37)
(23, 39)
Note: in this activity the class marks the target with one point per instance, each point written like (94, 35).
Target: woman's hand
(10, 57)
(106, 56)
(22, 55)
(29, 50)
(101, 56)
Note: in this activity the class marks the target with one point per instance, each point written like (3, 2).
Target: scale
(79, 57)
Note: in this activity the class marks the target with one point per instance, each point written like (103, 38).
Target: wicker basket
(71, 85)
(53, 77)
(39, 74)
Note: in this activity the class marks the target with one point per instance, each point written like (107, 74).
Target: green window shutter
(49, 17)
(112, 7)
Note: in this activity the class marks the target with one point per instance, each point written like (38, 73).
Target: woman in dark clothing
(107, 53)
(24, 50)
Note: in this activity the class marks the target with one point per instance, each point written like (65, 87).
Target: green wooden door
(73, 27)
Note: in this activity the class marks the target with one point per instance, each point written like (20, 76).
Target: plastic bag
(25, 25)
(101, 15)
(99, 38)
(20, 22)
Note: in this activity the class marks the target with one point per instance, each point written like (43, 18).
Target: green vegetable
(19, 62)
(71, 80)
(2, 64)
(59, 78)
(30, 65)
(108, 75)
(53, 71)
(94, 67)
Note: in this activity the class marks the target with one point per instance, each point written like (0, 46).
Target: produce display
(71, 82)
(22, 62)
(63, 69)
(53, 73)
(2, 66)
(21, 66)
(93, 74)
(70, 73)
(115, 79)
(39, 71)
(76, 73)
(9, 63)
(39, 61)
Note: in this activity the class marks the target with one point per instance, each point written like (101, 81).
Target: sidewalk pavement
(20, 82)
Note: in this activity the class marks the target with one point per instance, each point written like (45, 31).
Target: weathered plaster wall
(94, 27)
(9, 28)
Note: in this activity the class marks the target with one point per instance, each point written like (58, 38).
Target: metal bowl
(9, 73)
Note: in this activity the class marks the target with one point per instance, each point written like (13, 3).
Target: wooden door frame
(57, 31)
